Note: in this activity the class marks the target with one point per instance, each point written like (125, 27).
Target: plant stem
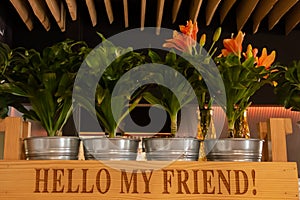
(231, 131)
(173, 124)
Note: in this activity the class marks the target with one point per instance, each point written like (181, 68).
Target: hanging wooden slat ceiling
(253, 11)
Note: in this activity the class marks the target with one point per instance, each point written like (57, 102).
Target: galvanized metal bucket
(169, 149)
(52, 148)
(102, 148)
(233, 149)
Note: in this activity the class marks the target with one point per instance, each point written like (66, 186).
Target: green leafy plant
(288, 89)
(165, 97)
(243, 74)
(123, 60)
(45, 81)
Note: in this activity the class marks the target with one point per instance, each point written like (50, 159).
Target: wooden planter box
(147, 180)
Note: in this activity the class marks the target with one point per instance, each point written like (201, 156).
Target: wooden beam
(92, 11)
(262, 9)
(72, 6)
(109, 11)
(292, 18)
(23, 10)
(58, 11)
(280, 9)
(194, 9)
(160, 10)
(54, 8)
(125, 5)
(63, 14)
(143, 14)
(225, 7)
(243, 12)
(176, 6)
(211, 8)
(39, 9)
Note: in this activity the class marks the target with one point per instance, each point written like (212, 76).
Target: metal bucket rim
(173, 138)
(235, 139)
(93, 138)
(51, 137)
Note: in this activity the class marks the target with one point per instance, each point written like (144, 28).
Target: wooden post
(15, 129)
(278, 128)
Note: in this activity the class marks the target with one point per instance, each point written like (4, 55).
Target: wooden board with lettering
(147, 180)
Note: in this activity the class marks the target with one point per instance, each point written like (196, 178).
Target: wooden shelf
(147, 180)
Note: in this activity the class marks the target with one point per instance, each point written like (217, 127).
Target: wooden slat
(279, 10)
(39, 10)
(225, 8)
(59, 13)
(175, 9)
(109, 11)
(143, 13)
(118, 180)
(194, 9)
(125, 5)
(63, 14)
(211, 8)
(160, 10)
(262, 9)
(54, 7)
(23, 11)
(92, 11)
(72, 7)
(292, 18)
(244, 10)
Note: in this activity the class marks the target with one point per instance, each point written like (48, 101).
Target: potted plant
(243, 74)
(46, 81)
(171, 92)
(192, 61)
(105, 65)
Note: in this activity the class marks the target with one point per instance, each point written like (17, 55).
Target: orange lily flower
(233, 45)
(190, 29)
(180, 42)
(265, 59)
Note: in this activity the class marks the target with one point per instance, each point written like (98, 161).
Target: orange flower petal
(234, 45)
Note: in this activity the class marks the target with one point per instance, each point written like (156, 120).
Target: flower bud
(217, 34)
(202, 40)
(249, 51)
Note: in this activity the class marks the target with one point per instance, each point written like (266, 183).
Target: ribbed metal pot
(52, 148)
(233, 149)
(102, 148)
(168, 149)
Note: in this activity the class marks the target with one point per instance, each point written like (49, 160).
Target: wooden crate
(147, 180)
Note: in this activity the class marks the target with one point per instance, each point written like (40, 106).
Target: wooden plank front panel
(147, 180)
